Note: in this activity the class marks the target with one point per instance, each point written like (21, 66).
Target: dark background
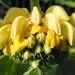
(7, 4)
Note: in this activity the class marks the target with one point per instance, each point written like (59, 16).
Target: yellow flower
(18, 27)
(18, 24)
(53, 29)
(56, 19)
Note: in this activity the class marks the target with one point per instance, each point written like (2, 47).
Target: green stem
(35, 3)
(5, 5)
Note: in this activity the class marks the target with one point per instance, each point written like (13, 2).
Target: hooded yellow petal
(73, 15)
(52, 23)
(72, 21)
(59, 12)
(12, 14)
(18, 26)
(4, 35)
(35, 16)
(67, 31)
(26, 11)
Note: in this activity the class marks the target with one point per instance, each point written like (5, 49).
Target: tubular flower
(28, 31)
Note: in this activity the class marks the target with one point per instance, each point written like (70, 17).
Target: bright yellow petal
(44, 28)
(35, 29)
(52, 23)
(8, 48)
(20, 43)
(27, 31)
(50, 39)
(60, 43)
(12, 14)
(4, 35)
(67, 31)
(57, 40)
(18, 26)
(63, 45)
(35, 16)
(58, 11)
(73, 15)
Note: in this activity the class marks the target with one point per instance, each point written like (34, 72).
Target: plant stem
(5, 5)
(35, 3)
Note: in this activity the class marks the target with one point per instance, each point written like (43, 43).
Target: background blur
(68, 5)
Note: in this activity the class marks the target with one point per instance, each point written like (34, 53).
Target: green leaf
(67, 67)
(70, 4)
(9, 67)
(4, 58)
(3, 61)
(53, 70)
(21, 68)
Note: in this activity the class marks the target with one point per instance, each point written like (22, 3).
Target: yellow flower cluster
(20, 29)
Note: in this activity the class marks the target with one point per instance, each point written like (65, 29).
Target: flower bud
(40, 36)
(31, 41)
(27, 54)
(47, 50)
(35, 64)
(38, 49)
